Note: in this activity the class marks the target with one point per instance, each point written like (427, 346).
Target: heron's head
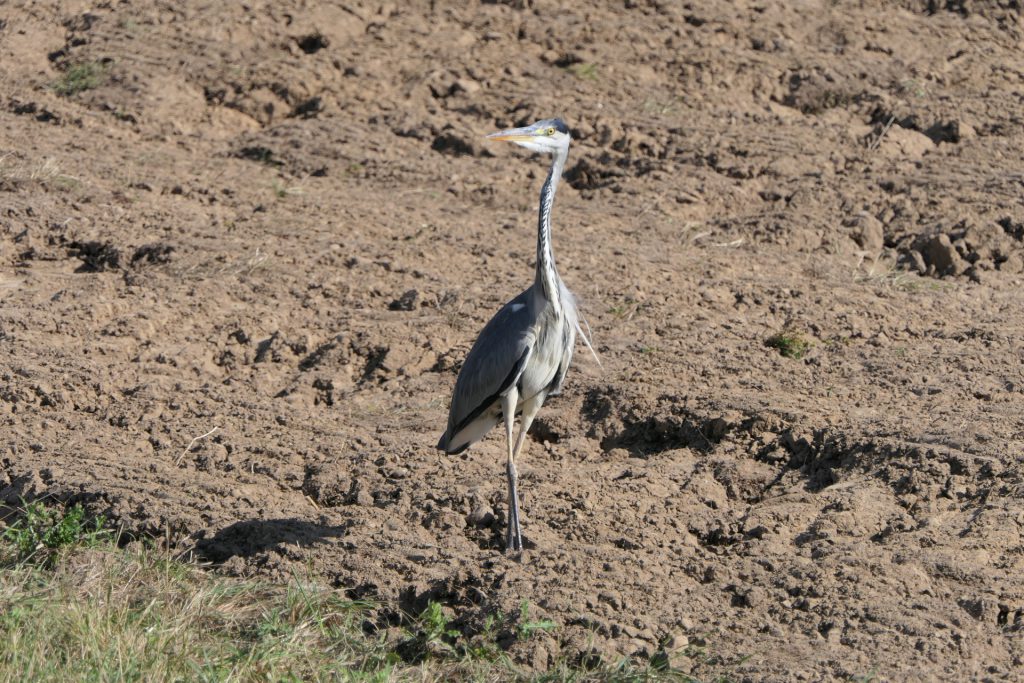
(547, 136)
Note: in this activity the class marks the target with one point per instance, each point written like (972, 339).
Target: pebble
(466, 85)
(420, 556)
(398, 473)
(676, 641)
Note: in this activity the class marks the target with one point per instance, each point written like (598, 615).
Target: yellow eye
(549, 131)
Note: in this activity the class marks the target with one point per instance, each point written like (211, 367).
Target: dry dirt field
(280, 220)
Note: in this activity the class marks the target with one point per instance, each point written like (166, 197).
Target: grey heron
(523, 353)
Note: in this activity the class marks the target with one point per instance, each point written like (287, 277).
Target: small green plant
(431, 635)
(584, 71)
(868, 677)
(660, 106)
(527, 627)
(912, 87)
(81, 77)
(619, 311)
(281, 190)
(436, 625)
(43, 530)
(484, 645)
(789, 343)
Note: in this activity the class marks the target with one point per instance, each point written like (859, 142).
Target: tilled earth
(245, 247)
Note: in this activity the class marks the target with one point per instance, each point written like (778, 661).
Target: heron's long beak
(514, 134)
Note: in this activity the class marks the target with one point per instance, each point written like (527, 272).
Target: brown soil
(280, 220)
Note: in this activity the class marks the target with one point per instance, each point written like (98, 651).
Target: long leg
(530, 410)
(513, 537)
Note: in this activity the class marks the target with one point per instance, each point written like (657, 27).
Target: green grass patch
(76, 606)
(789, 343)
(81, 77)
(40, 531)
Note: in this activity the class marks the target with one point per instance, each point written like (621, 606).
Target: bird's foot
(514, 536)
(513, 542)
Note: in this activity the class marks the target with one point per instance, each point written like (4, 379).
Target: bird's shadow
(255, 536)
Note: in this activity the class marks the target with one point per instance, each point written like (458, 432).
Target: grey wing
(494, 364)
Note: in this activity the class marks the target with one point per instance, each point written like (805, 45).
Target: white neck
(547, 275)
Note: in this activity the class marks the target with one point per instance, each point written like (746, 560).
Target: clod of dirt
(1012, 228)
(277, 347)
(40, 112)
(481, 516)
(867, 232)
(952, 131)
(457, 143)
(157, 253)
(328, 486)
(96, 256)
(309, 108)
(941, 256)
(1013, 264)
(986, 242)
(818, 91)
(262, 104)
(312, 43)
(905, 143)
(259, 153)
(588, 174)
(406, 302)
(409, 127)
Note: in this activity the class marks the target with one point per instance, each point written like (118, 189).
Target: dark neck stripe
(547, 275)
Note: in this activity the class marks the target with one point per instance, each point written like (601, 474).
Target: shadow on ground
(251, 537)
